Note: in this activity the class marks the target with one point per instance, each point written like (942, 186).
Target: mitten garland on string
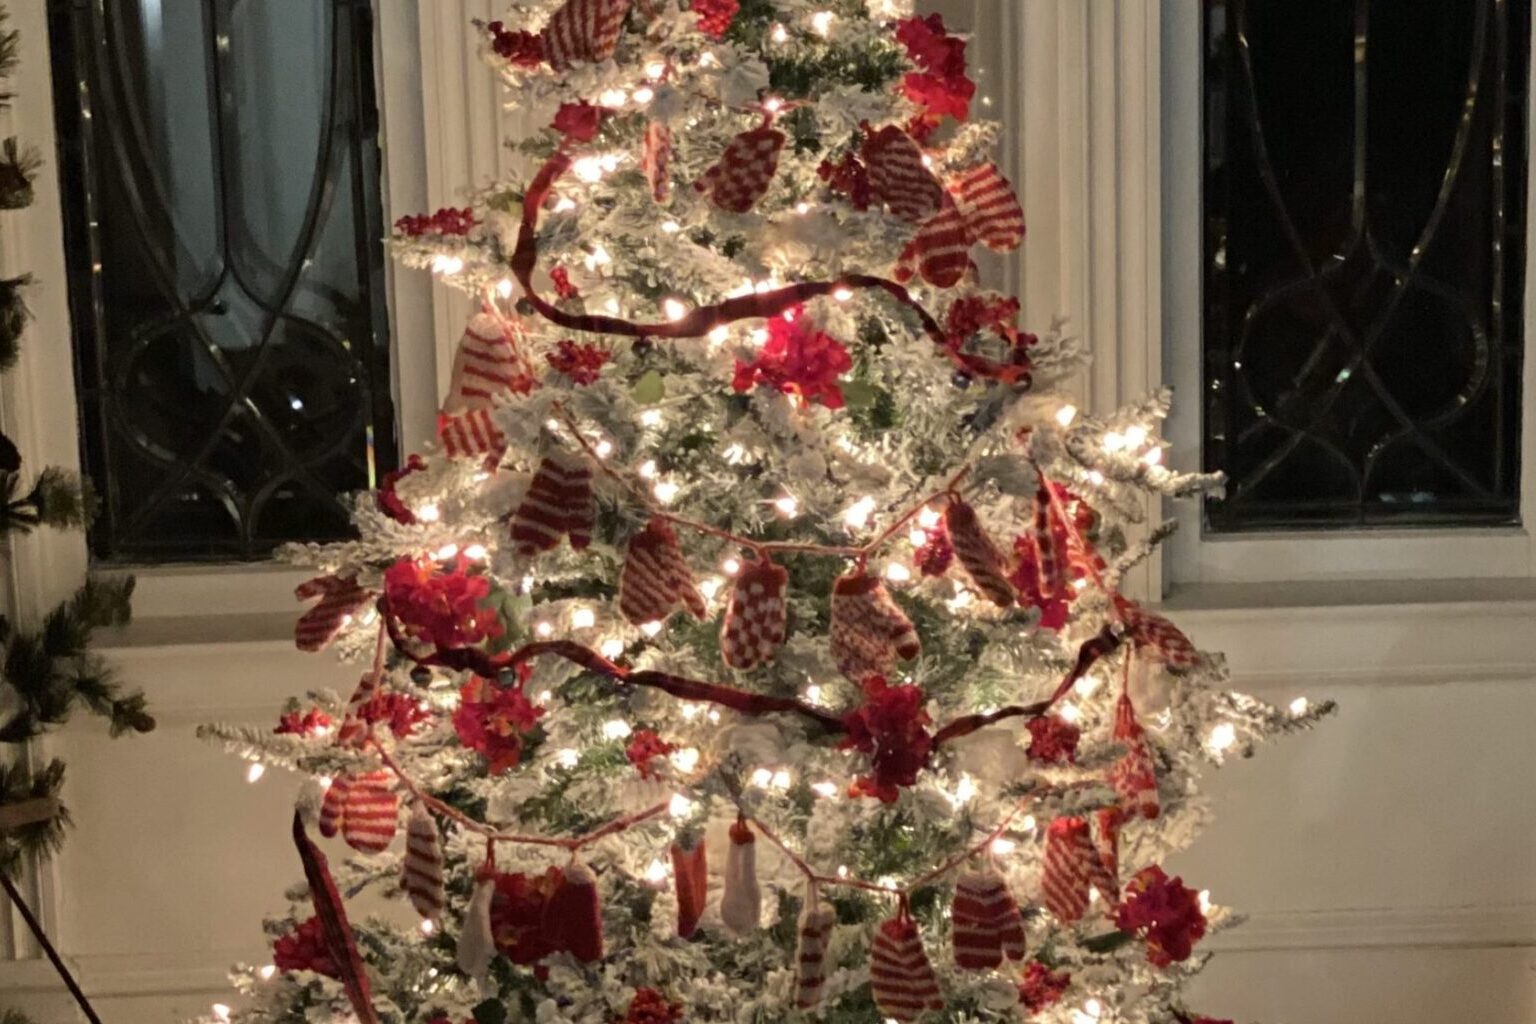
(869, 631)
(363, 808)
(656, 160)
(941, 250)
(422, 867)
(815, 938)
(983, 561)
(486, 367)
(1134, 776)
(340, 599)
(477, 942)
(559, 502)
(899, 177)
(573, 917)
(900, 975)
(741, 905)
(991, 210)
(744, 171)
(1072, 867)
(656, 578)
(690, 875)
(584, 30)
(755, 618)
(987, 922)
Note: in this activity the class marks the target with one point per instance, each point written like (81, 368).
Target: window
(1365, 225)
(223, 233)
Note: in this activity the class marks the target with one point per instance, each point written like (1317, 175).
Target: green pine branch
(35, 835)
(18, 167)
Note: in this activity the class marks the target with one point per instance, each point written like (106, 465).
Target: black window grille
(220, 169)
(1365, 218)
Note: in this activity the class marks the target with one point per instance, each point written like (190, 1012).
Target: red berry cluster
(849, 178)
(716, 16)
(523, 49)
(645, 747)
(652, 1007)
(447, 221)
(582, 362)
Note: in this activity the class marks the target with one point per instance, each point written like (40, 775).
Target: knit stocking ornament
(899, 972)
(340, 599)
(573, 917)
(741, 905)
(981, 558)
(690, 874)
(584, 30)
(815, 938)
(869, 630)
(1072, 867)
(744, 171)
(755, 623)
(986, 919)
(1134, 776)
(656, 160)
(1051, 545)
(422, 867)
(477, 943)
(656, 578)
(372, 812)
(559, 502)
(899, 177)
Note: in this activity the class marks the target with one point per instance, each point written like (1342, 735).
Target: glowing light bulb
(788, 506)
(731, 566)
(670, 227)
(1002, 847)
(773, 104)
(267, 972)
(1114, 441)
(666, 492)
(254, 773)
(616, 729)
(928, 518)
(612, 97)
(565, 204)
(710, 587)
(1222, 737)
(826, 789)
(708, 60)
(655, 69)
(644, 95)
(476, 552)
(720, 335)
(674, 310)
(842, 294)
(429, 513)
(857, 515)
(802, 208)
(1086, 686)
(657, 872)
(918, 537)
(898, 573)
(1066, 414)
(821, 21)
(760, 336)
(1028, 824)
(603, 448)
(598, 258)
(1070, 713)
(651, 629)
(584, 618)
(545, 629)
(762, 778)
(965, 790)
(1096, 478)
(779, 34)
(887, 882)
(568, 758)
(813, 693)
(680, 806)
(428, 926)
(781, 779)
(504, 287)
(1135, 437)
(842, 871)
(611, 304)
(447, 265)
(588, 169)
(648, 469)
(609, 161)
(686, 760)
(1205, 901)
(446, 552)
(221, 1012)
(612, 648)
(1154, 457)
(650, 418)
(1299, 706)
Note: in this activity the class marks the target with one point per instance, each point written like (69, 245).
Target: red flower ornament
(1164, 912)
(892, 729)
(940, 86)
(492, 720)
(447, 221)
(798, 360)
(645, 747)
(398, 712)
(313, 722)
(580, 122)
(1041, 987)
(440, 608)
(521, 49)
(652, 1007)
(304, 949)
(1053, 740)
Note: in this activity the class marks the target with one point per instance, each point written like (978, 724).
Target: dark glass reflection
(1365, 216)
(224, 234)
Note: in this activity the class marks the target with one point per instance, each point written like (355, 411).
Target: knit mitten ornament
(815, 937)
(333, 806)
(755, 622)
(1072, 867)
(744, 171)
(372, 812)
(992, 212)
(1158, 638)
(584, 30)
(422, 867)
(573, 917)
(656, 578)
(477, 943)
(741, 905)
(1134, 776)
(353, 730)
(690, 874)
(1052, 555)
(486, 367)
(1106, 839)
(987, 922)
(559, 502)
(899, 972)
(869, 630)
(656, 160)
(941, 250)
(340, 599)
(899, 176)
(981, 558)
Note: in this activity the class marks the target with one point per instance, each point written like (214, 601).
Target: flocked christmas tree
(751, 645)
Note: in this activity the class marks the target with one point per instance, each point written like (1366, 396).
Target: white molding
(1469, 927)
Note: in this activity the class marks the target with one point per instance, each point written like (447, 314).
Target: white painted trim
(1470, 927)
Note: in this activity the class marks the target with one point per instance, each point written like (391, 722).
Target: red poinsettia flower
(313, 722)
(1053, 740)
(582, 362)
(891, 727)
(849, 178)
(983, 313)
(939, 96)
(447, 221)
(440, 608)
(517, 915)
(1042, 987)
(798, 360)
(940, 85)
(522, 49)
(715, 16)
(399, 712)
(937, 554)
(652, 1007)
(389, 499)
(1164, 912)
(304, 949)
(580, 122)
(563, 287)
(643, 750)
(492, 721)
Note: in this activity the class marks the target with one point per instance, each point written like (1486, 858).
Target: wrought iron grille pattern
(224, 236)
(1365, 194)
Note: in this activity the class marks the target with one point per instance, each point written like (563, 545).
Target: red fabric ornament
(389, 501)
(304, 949)
(899, 177)
(313, 722)
(652, 1007)
(492, 721)
(447, 221)
(353, 729)
(755, 620)
(690, 874)
(869, 630)
(573, 916)
(992, 212)
(1134, 776)
(644, 749)
(936, 554)
(559, 501)
(340, 599)
(902, 979)
(892, 729)
(813, 940)
(849, 178)
(940, 87)
(583, 362)
(477, 939)
(363, 808)
(1041, 987)
(580, 122)
(1158, 637)
(987, 922)
(1164, 913)
(656, 160)
(744, 171)
(487, 367)
(656, 578)
(984, 563)
(1107, 821)
(1053, 740)
(798, 360)
(941, 250)
(987, 313)
(564, 289)
(715, 16)
(1072, 866)
(584, 30)
(1050, 545)
(516, 914)
(438, 608)
(741, 902)
(398, 712)
(522, 49)
(422, 867)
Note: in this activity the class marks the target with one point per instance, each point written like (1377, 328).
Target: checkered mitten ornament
(584, 30)
(899, 972)
(741, 904)
(1052, 548)
(690, 876)
(991, 210)
(981, 558)
(1134, 776)
(744, 171)
(815, 937)
(340, 599)
(1072, 867)
(987, 922)
(573, 916)
(899, 176)
(422, 867)
(1158, 638)
(477, 942)
(941, 250)
(869, 630)
(656, 578)
(559, 502)
(755, 622)
(656, 160)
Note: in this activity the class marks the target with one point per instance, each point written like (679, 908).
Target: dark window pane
(224, 237)
(1365, 183)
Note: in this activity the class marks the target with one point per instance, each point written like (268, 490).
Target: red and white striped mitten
(372, 813)
(486, 367)
(690, 876)
(899, 972)
(559, 502)
(741, 903)
(656, 578)
(573, 916)
(656, 160)
(744, 171)
(353, 729)
(584, 30)
(899, 176)
(1158, 637)
(477, 942)
(755, 621)
(340, 599)
(869, 630)
(987, 922)
(1072, 867)
(333, 806)
(941, 251)
(981, 558)
(1107, 822)
(1134, 776)
(815, 938)
(1051, 546)
(422, 867)
(992, 212)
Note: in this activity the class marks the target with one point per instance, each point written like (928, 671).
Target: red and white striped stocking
(486, 367)
(372, 812)
(1072, 867)
(992, 212)
(941, 251)
(584, 30)
(1134, 776)
(656, 160)
(422, 867)
(815, 938)
(340, 599)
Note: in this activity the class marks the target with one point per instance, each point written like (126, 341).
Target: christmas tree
(752, 644)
